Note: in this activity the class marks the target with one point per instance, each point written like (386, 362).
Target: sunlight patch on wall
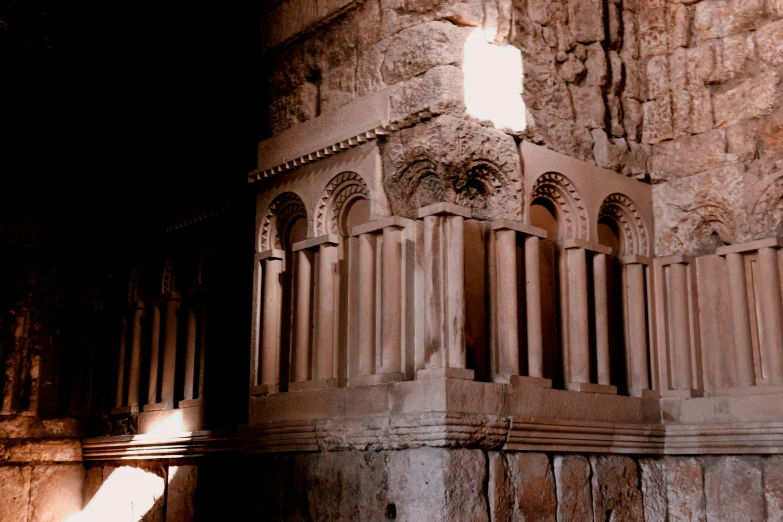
(125, 496)
(493, 81)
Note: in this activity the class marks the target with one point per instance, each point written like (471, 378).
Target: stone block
(653, 33)
(753, 98)
(688, 211)
(521, 487)
(589, 105)
(596, 65)
(685, 489)
(635, 85)
(638, 159)
(658, 120)
(769, 43)
(31, 450)
(14, 492)
(678, 69)
(689, 155)
(608, 155)
(630, 47)
(586, 20)
(614, 105)
(437, 484)
(297, 107)
(92, 483)
(701, 110)
(180, 493)
(657, 77)
(772, 134)
(653, 490)
(615, 487)
(773, 487)
(775, 8)
(743, 139)
(679, 27)
(718, 18)
(572, 477)
(572, 69)
(420, 48)
(615, 72)
(681, 113)
(56, 492)
(733, 52)
(438, 90)
(734, 490)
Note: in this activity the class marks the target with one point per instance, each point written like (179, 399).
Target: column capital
(568, 244)
(272, 253)
(676, 260)
(770, 242)
(326, 239)
(518, 226)
(635, 260)
(379, 224)
(444, 209)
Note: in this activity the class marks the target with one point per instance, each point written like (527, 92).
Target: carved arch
(563, 195)
(623, 211)
(282, 211)
(341, 190)
(169, 276)
(134, 292)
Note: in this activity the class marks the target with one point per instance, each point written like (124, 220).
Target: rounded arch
(134, 291)
(620, 213)
(340, 195)
(169, 281)
(558, 194)
(284, 210)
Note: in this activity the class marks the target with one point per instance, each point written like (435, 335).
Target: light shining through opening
(493, 81)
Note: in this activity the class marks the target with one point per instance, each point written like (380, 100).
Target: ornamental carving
(167, 285)
(283, 209)
(624, 212)
(342, 189)
(558, 190)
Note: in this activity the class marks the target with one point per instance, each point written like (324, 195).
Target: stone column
(444, 290)
(506, 336)
(577, 314)
(314, 353)
(152, 395)
(271, 323)
(202, 347)
(772, 312)
(740, 320)
(170, 350)
(382, 363)
(119, 399)
(134, 375)
(600, 303)
(635, 304)
(190, 349)
(681, 338)
(303, 321)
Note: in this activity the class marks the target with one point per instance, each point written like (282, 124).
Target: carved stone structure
(451, 321)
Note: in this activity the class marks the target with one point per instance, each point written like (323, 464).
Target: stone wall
(684, 93)
(465, 484)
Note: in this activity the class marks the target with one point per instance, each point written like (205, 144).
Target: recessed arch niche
(285, 223)
(345, 204)
(556, 206)
(620, 226)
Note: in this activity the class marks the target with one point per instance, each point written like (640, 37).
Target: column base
(264, 389)
(191, 403)
(378, 378)
(124, 410)
(588, 387)
(678, 394)
(158, 406)
(315, 384)
(446, 373)
(644, 393)
(523, 380)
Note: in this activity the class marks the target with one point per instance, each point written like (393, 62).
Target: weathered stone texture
(422, 47)
(56, 492)
(717, 18)
(733, 488)
(653, 490)
(685, 489)
(769, 43)
(14, 492)
(689, 155)
(753, 98)
(521, 487)
(572, 478)
(180, 492)
(773, 487)
(586, 20)
(615, 487)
